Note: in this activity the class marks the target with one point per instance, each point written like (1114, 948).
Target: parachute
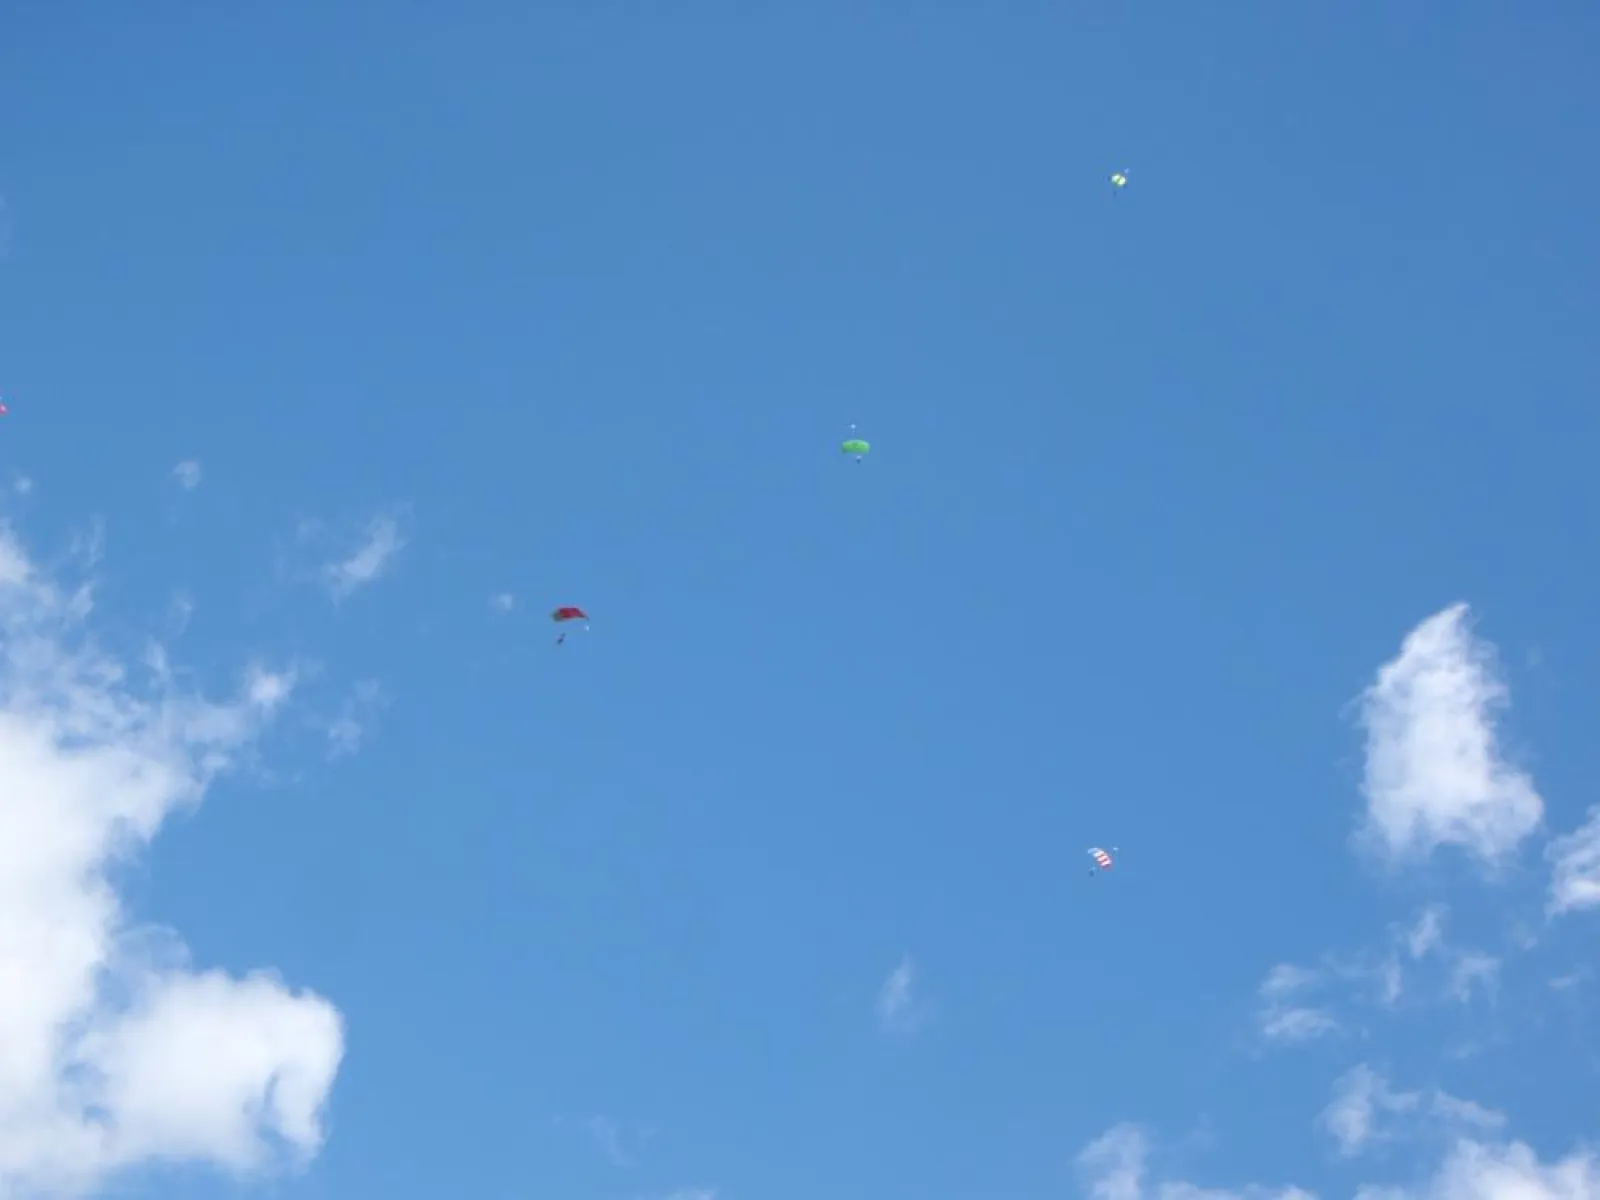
(1102, 860)
(855, 445)
(568, 612)
(1119, 179)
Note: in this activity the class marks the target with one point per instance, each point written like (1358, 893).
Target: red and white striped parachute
(1101, 858)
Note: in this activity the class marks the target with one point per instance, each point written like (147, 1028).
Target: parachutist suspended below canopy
(569, 612)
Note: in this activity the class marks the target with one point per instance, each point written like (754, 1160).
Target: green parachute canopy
(855, 446)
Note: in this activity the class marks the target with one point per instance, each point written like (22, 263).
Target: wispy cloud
(900, 1008)
(1465, 972)
(502, 602)
(180, 611)
(380, 543)
(1426, 935)
(1575, 871)
(608, 1137)
(1409, 944)
(1286, 1015)
(357, 719)
(1473, 973)
(1298, 1004)
(1116, 1166)
(118, 1054)
(1113, 1164)
(187, 474)
(1435, 775)
(1366, 1111)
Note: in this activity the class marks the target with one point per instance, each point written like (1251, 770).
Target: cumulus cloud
(1575, 867)
(1435, 774)
(1114, 1167)
(1476, 1171)
(900, 1008)
(380, 543)
(187, 473)
(1366, 1110)
(114, 1051)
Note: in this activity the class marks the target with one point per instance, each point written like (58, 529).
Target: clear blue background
(592, 291)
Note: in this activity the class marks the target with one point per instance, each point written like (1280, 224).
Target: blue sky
(340, 346)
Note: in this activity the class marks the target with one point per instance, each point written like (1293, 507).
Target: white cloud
(1435, 775)
(113, 1051)
(1113, 1164)
(1366, 1110)
(187, 473)
(1419, 941)
(180, 611)
(608, 1137)
(1473, 971)
(22, 485)
(1428, 933)
(1114, 1167)
(1361, 1099)
(611, 1140)
(502, 602)
(357, 719)
(1575, 876)
(1475, 1171)
(899, 1007)
(381, 543)
(1453, 1110)
(1284, 1015)
(1467, 971)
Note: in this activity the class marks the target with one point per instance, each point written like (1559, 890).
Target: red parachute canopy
(568, 612)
